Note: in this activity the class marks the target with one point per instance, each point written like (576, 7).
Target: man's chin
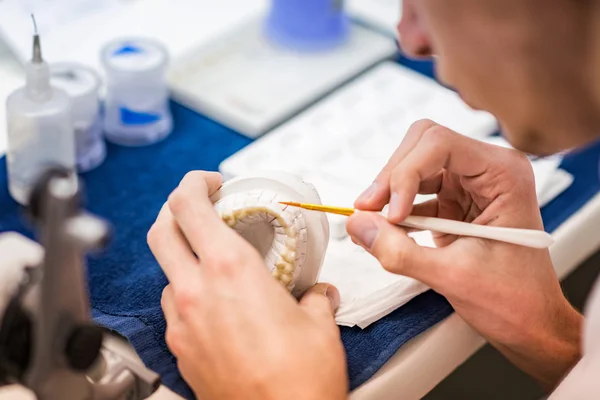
(532, 143)
(467, 101)
(527, 141)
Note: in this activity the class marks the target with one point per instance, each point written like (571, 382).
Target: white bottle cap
(134, 56)
(81, 84)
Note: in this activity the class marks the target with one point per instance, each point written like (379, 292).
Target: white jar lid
(134, 55)
(76, 79)
(82, 85)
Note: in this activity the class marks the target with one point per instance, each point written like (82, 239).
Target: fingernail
(370, 192)
(334, 297)
(394, 208)
(365, 231)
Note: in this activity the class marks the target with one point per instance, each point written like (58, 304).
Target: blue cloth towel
(126, 282)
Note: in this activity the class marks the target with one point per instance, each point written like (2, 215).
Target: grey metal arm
(66, 355)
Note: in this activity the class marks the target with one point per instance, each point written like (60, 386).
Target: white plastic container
(40, 130)
(137, 96)
(82, 85)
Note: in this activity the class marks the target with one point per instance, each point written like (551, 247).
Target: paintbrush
(523, 237)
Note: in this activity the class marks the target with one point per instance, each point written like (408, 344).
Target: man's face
(525, 61)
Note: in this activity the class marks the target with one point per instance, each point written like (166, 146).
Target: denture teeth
(286, 279)
(284, 258)
(282, 265)
(241, 214)
(290, 242)
(229, 219)
(289, 269)
(289, 256)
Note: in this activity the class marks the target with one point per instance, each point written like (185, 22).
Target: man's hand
(509, 293)
(235, 331)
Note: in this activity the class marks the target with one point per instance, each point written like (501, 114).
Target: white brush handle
(524, 237)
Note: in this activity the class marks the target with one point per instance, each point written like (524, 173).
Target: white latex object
(16, 253)
(293, 242)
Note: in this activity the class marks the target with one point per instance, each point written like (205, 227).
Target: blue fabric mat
(126, 282)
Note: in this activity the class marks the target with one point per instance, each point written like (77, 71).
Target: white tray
(249, 84)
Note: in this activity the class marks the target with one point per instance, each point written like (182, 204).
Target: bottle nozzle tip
(37, 49)
(35, 29)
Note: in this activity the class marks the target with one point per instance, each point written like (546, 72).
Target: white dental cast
(291, 240)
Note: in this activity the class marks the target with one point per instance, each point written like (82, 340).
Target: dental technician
(535, 65)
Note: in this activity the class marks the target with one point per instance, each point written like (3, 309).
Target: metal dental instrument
(524, 237)
(48, 342)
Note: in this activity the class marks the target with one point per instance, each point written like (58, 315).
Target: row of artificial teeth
(285, 266)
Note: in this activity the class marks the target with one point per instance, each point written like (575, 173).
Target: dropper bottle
(40, 128)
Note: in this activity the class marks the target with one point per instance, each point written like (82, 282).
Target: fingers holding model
(509, 293)
(236, 332)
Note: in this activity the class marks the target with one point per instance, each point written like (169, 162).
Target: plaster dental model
(292, 241)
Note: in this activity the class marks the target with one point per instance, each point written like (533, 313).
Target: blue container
(308, 25)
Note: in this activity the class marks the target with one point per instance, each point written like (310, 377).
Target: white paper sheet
(558, 183)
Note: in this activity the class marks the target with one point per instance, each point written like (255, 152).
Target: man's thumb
(390, 244)
(321, 301)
